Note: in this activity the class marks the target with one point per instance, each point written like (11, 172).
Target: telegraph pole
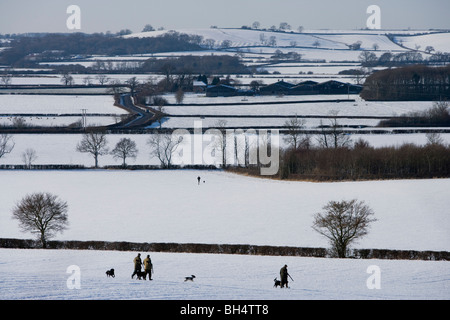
(83, 118)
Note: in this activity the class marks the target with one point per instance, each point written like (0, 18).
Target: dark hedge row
(244, 249)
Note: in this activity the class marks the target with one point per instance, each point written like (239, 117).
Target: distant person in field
(198, 179)
(284, 276)
(148, 267)
(137, 265)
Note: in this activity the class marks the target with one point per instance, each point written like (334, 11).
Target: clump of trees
(362, 161)
(30, 50)
(437, 116)
(413, 83)
(369, 59)
(223, 64)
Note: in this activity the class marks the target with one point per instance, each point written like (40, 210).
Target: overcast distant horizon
(24, 16)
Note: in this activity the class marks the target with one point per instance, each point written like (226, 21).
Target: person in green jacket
(137, 265)
(148, 267)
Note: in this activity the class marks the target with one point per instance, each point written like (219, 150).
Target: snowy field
(169, 206)
(439, 41)
(60, 121)
(54, 110)
(357, 108)
(61, 148)
(218, 277)
(211, 122)
(58, 104)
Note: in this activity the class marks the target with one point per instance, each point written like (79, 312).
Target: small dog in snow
(277, 283)
(191, 278)
(110, 273)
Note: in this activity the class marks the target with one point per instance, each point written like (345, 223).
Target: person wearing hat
(148, 267)
(137, 265)
(284, 276)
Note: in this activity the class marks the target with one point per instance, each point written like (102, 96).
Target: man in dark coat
(137, 265)
(284, 276)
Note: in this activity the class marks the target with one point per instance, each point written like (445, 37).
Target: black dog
(191, 278)
(140, 275)
(277, 283)
(110, 273)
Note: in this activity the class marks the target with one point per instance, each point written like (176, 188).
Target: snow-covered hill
(438, 41)
(251, 38)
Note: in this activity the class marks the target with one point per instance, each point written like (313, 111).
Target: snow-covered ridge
(324, 39)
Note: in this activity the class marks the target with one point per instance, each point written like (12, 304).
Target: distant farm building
(337, 87)
(221, 90)
(310, 87)
(284, 88)
(277, 88)
(199, 86)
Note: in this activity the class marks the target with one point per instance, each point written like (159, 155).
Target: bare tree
(256, 25)
(163, 147)
(95, 143)
(28, 157)
(360, 75)
(116, 88)
(209, 43)
(132, 83)
(6, 144)
(343, 223)
(6, 77)
(285, 26)
(262, 38)
(42, 214)
(295, 136)
(67, 79)
(102, 79)
(367, 58)
(334, 136)
(429, 49)
(220, 139)
(272, 41)
(125, 148)
(87, 80)
(434, 138)
(147, 28)
(179, 96)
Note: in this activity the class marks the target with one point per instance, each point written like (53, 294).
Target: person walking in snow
(284, 276)
(148, 267)
(137, 265)
(198, 179)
